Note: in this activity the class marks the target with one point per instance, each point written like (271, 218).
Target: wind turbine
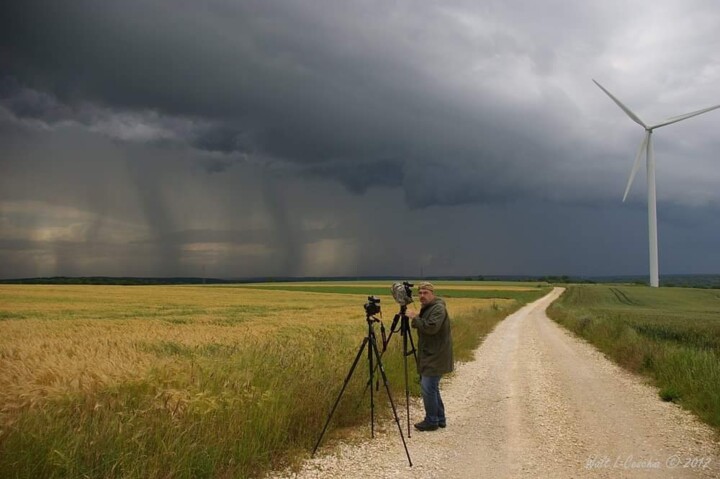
(646, 147)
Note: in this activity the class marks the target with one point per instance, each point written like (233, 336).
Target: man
(435, 355)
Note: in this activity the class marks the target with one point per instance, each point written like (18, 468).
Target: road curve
(536, 402)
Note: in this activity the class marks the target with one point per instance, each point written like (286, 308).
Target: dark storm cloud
(193, 120)
(335, 90)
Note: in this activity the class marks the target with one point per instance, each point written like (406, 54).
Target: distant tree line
(680, 281)
(108, 280)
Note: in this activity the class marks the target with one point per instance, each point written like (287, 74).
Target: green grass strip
(524, 296)
(669, 335)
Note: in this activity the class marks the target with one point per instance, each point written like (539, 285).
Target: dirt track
(538, 403)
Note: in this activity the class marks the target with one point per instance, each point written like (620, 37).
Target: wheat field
(182, 381)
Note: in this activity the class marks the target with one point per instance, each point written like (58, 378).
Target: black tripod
(373, 354)
(406, 334)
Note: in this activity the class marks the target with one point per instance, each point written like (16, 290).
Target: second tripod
(403, 321)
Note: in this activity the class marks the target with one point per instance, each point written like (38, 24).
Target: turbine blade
(638, 161)
(627, 110)
(676, 119)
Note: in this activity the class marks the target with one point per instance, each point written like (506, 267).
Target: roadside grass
(669, 335)
(186, 382)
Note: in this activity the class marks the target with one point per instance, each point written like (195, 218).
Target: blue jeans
(434, 407)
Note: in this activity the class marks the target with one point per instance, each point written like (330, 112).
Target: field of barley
(195, 381)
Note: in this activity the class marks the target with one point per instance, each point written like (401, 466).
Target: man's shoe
(425, 426)
(442, 424)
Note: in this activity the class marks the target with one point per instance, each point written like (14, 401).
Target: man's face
(426, 296)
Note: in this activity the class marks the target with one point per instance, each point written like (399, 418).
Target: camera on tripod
(372, 307)
(402, 292)
(374, 356)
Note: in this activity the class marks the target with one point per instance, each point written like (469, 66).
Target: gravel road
(535, 402)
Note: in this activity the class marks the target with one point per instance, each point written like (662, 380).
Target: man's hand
(412, 314)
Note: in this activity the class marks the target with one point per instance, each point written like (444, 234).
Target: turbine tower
(646, 148)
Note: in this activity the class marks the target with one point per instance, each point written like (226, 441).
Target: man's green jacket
(435, 354)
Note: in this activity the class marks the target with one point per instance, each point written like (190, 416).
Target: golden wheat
(61, 339)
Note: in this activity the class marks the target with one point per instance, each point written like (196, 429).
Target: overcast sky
(253, 138)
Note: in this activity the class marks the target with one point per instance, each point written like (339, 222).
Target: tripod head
(372, 307)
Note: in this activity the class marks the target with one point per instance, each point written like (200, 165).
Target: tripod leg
(412, 345)
(373, 347)
(407, 386)
(370, 379)
(347, 379)
(374, 369)
(372, 399)
(412, 341)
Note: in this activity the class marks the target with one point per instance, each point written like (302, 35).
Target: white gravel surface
(536, 402)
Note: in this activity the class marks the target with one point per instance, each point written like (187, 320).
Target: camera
(372, 307)
(402, 292)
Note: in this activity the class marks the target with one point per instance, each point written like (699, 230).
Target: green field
(195, 381)
(523, 292)
(671, 335)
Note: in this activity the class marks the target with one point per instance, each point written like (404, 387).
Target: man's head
(426, 291)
